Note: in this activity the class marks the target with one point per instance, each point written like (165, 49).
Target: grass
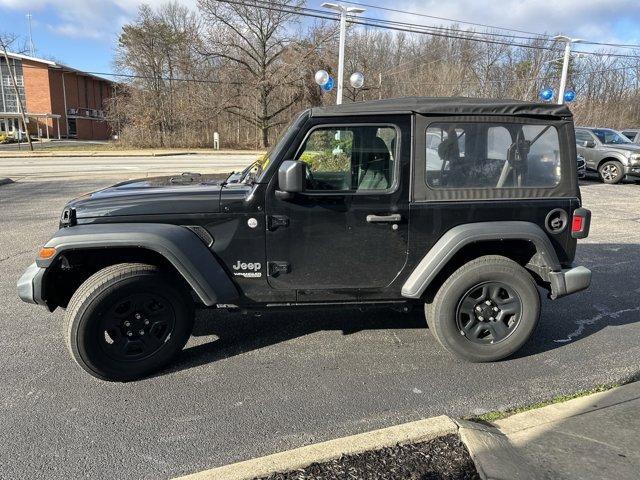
(500, 414)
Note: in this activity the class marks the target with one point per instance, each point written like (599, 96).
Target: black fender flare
(178, 245)
(458, 237)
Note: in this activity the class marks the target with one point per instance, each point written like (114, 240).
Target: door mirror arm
(282, 195)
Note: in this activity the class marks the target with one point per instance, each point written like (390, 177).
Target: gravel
(444, 458)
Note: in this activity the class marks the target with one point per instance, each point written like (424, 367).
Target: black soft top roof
(446, 106)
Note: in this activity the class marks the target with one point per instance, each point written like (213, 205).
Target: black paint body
(333, 253)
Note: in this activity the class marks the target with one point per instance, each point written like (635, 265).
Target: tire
(453, 318)
(611, 172)
(127, 321)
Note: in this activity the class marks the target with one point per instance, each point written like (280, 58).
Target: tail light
(580, 223)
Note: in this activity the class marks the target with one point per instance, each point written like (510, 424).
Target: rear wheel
(127, 321)
(486, 310)
(611, 172)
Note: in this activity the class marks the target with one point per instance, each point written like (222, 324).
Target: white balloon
(322, 77)
(356, 80)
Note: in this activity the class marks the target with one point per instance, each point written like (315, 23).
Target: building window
(73, 127)
(8, 99)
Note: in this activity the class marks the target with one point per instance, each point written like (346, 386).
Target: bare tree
(6, 40)
(244, 71)
(262, 44)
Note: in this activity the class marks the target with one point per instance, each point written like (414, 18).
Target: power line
(151, 77)
(395, 10)
(377, 23)
(329, 16)
(400, 26)
(538, 35)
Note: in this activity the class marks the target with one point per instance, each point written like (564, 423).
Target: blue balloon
(327, 87)
(546, 94)
(569, 96)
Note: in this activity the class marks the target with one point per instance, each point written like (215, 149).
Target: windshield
(288, 134)
(610, 137)
(254, 172)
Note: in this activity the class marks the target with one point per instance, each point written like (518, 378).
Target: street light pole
(344, 11)
(565, 64)
(343, 34)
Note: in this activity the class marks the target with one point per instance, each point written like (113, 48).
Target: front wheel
(611, 172)
(127, 321)
(486, 310)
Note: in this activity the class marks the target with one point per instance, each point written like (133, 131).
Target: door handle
(393, 218)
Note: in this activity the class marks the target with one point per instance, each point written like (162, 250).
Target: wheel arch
(524, 242)
(82, 250)
(611, 158)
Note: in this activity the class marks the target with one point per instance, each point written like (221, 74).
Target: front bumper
(569, 280)
(632, 170)
(30, 285)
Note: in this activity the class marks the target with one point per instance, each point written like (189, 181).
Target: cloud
(596, 20)
(92, 19)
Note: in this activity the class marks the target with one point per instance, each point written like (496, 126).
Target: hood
(627, 147)
(178, 194)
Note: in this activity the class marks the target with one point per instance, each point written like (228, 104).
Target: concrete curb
(5, 181)
(413, 432)
(494, 456)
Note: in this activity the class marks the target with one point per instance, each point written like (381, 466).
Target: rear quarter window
(480, 155)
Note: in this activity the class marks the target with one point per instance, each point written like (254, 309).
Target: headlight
(634, 158)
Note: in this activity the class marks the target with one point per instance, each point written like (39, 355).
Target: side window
(492, 155)
(438, 140)
(498, 142)
(582, 136)
(350, 158)
(630, 135)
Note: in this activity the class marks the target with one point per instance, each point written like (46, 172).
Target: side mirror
(589, 144)
(291, 179)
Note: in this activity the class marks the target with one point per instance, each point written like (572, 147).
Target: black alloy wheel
(486, 310)
(128, 320)
(488, 313)
(136, 327)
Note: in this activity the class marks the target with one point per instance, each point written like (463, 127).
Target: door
(589, 153)
(348, 230)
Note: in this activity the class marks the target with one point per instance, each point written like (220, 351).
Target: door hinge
(276, 221)
(277, 268)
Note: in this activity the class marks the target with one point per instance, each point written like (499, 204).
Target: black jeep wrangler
(465, 206)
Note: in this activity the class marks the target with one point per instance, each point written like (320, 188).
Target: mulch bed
(444, 458)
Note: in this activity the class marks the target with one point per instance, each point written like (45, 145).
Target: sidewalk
(587, 438)
(592, 437)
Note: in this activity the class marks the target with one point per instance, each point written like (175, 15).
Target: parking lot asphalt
(247, 386)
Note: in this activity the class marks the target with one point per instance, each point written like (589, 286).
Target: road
(122, 167)
(248, 386)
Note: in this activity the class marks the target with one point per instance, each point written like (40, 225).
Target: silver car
(609, 153)
(632, 134)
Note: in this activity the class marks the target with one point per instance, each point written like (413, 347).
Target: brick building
(59, 101)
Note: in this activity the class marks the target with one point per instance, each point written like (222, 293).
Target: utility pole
(18, 98)
(344, 11)
(565, 63)
(32, 48)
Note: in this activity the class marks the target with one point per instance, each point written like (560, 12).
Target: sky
(83, 33)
